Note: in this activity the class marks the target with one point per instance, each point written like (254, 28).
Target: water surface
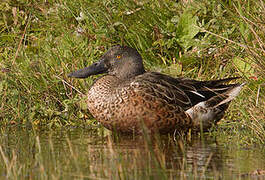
(87, 154)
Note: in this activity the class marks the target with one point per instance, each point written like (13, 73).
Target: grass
(41, 42)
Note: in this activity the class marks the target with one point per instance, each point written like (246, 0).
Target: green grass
(41, 42)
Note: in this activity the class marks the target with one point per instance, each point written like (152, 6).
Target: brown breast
(127, 106)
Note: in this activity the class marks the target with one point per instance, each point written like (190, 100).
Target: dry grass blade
(21, 40)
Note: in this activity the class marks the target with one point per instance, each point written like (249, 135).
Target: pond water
(79, 153)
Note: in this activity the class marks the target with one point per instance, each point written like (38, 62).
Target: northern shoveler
(127, 97)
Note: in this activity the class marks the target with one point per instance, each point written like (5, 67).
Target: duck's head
(120, 61)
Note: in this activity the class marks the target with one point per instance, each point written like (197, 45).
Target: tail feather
(220, 81)
(209, 112)
(232, 93)
(199, 91)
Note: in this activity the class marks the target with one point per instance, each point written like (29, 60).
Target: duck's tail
(207, 113)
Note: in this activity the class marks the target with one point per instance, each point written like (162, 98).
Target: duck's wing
(180, 91)
(199, 91)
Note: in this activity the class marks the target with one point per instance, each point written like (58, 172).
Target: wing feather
(181, 91)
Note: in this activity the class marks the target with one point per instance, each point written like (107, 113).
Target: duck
(128, 99)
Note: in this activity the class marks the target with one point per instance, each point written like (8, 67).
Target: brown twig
(69, 85)
(21, 39)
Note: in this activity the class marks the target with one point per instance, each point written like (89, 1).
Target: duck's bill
(96, 68)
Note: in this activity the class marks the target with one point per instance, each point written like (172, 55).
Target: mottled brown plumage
(128, 98)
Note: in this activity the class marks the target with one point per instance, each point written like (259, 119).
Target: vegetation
(42, 41)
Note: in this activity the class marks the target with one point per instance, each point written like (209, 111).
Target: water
(88, 154)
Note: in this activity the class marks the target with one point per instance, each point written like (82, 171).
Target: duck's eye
(118, 57)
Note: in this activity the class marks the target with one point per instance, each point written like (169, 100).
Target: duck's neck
(103, 86)
(124, 76)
